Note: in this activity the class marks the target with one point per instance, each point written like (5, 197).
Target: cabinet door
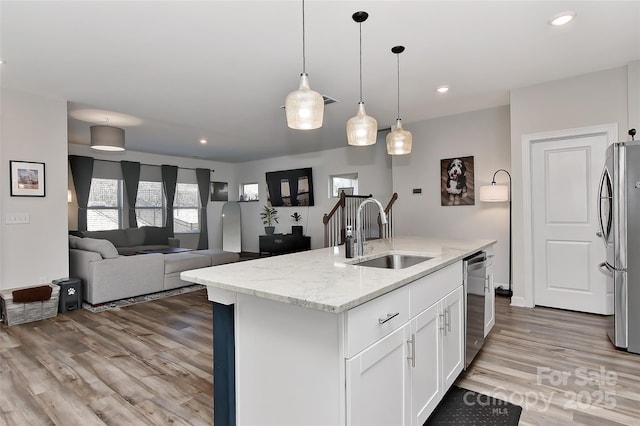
(489, 301)
(426, 384)
(452, 345)
(378, 382)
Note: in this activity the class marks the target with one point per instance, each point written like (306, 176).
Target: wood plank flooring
(151, 364)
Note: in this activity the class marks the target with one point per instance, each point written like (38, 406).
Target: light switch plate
(17, 218)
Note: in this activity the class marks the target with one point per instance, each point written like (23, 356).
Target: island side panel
(224, 386)
(289, 364)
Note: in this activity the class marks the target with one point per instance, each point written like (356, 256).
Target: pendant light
(362, 129)
(399, 140)
(107, 138)
(304, 107)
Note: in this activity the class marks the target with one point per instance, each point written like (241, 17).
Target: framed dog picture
(457, 182)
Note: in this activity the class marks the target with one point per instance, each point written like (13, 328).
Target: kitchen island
(311, 338)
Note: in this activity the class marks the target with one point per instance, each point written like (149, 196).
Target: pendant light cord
(398, 58)
(360, 24)
(304, 65)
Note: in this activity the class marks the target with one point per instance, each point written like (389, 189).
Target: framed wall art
(219, 191)
(26, 179)
(457, 182)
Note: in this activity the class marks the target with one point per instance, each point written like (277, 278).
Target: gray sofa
(107, 275)
(132, 241)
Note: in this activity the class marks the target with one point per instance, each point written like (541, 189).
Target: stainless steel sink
(393, 261)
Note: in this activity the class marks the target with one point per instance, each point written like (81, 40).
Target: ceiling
(171, 73)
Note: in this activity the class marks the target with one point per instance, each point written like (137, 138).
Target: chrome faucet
(360, 238)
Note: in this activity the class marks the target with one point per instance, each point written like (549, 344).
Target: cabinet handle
(442, 324)
(486, 284)
(388, 318)
(412, 342)
(447, 318)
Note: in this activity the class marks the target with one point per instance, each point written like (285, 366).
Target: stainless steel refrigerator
(619, 212)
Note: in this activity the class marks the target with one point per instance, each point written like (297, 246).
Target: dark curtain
(203, 176)
(131, 176)
(169, 179)
(82, 172)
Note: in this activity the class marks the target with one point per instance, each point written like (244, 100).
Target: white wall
(485, 136)
(372, 164)
(34, 128)
(224, 172)
(587, 100)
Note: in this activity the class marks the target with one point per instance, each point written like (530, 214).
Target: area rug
(464, 407)
(141, 299)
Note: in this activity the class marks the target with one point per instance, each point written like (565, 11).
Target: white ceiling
(221, 69)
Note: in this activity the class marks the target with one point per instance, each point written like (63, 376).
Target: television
(290, 188)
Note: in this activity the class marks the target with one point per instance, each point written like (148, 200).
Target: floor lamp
(497, 194)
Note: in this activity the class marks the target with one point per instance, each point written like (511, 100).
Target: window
(249, 192)
(186, 207)
(150, 204)
(104, 210)
(346, 182)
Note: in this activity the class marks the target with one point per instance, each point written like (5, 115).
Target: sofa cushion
(154, 235)
(104, 247)
(135, 236)
(117, 236)
(178, 262)
(73, 241)
(218, 257)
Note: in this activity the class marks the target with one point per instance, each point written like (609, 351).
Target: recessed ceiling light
(562, 18)
(203, 141)
(442, 89)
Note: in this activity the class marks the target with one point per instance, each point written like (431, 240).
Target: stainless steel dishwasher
(475, 281)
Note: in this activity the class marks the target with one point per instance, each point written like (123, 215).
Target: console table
(284, 243)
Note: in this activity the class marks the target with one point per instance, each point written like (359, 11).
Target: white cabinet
(377, 382)
(490, 298)
(400, 378)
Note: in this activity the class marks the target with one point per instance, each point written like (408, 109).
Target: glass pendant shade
(399, 140)
(362, 129)
(304, 107)
(107, 138)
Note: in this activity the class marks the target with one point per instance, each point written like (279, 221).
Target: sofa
(132, 241)
(108, 275)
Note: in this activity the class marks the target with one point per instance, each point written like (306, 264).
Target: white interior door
(565, 175)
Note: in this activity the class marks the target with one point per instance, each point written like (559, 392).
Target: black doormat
(462, 407)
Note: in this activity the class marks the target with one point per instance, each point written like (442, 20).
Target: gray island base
(311, 338)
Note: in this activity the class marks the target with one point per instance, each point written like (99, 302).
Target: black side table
(70, 294)
(283, 243)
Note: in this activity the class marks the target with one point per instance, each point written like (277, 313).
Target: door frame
(528, 140)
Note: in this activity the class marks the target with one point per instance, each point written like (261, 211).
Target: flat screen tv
(290, 187)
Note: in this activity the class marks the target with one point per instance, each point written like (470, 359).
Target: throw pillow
(73, 241)
(106, 249)
(135, 236)
(154, 235)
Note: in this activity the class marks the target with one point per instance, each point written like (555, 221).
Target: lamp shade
(494, 193)
(304, 107)
(362, 129)
(399, 140)
(107, 138)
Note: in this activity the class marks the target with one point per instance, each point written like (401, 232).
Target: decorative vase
(269, 230)
(296, 229)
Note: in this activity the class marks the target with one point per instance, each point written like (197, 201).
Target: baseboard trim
(518, 301)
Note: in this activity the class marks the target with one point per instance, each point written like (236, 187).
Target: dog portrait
(457, 182)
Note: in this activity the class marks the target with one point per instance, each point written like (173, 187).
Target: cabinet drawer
(373, 320)
(428, 290)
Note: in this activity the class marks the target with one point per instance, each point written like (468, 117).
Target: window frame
(119, 208)
(242, 191)
(353, 176)
(197, 208)
(162, 207)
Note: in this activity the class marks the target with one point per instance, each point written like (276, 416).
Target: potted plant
(296, 229)
(269, 216)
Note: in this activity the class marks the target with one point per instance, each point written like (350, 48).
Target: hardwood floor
(151, 363)
(559, 366)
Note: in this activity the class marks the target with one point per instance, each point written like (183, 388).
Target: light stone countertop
(323, 279)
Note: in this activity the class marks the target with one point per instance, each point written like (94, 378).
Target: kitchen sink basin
(393, 261)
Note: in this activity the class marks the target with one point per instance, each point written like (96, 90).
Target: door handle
(412, 342)
(442, 324)
(605, 268)
(599, 234)
(447, 319)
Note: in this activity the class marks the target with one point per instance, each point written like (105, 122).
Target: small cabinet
(404, 363)
(489, 297)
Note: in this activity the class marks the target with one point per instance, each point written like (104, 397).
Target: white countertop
(325, 280)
